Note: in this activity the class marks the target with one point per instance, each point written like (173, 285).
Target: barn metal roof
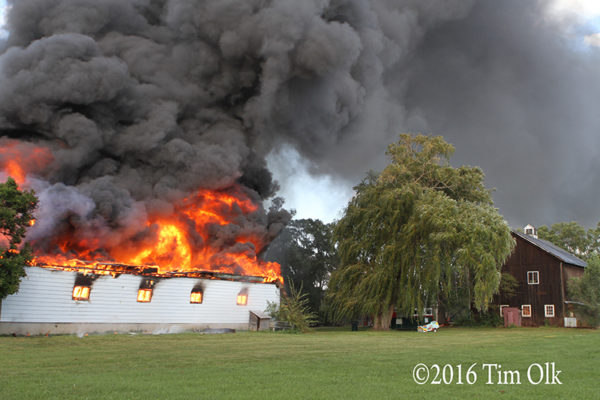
(552, 249)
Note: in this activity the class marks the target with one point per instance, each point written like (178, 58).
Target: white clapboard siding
(45, 295)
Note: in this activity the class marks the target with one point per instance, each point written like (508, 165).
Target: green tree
(570, 236)
(307, 256)
(294, 308)
(586, 292)
(593, 235)
(16, 208)
(419, 231)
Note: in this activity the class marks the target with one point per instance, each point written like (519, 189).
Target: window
(533, 277)
(196, 296)
(145, 291)
(144, 295)
(526, 310)
(428, 311)
(82, 287)
(502, 307)
(242, 298)
(81, 293)
(549, 310)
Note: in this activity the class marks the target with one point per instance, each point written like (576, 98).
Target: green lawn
(326, 364)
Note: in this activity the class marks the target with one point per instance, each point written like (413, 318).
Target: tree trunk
(383, 319)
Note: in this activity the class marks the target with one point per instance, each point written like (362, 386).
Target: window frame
(194, 299)
(143, 297)
(537, 277)
(546, 314)
(82, 294)
(242, 298)
(502, 307)
(528, 306)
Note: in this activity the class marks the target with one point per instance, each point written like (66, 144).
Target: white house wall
(45, 296)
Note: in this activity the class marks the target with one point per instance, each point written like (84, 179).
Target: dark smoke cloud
(144, 101)
(507, 84)
(519, 97)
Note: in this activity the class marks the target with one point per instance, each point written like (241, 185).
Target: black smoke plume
(142, 102)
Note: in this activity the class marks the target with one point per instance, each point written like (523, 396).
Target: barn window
(549, 310)
(81, 293)
(502, 307)
(145, 290)
(144, 295)
(533, 277)
(242, 298)
(526, 310)
(196, 296)
(82, 287)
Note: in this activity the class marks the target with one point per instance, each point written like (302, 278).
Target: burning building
(55, 300)
(144, 125)
(150, 175)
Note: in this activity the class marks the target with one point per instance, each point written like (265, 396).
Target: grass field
(326, 364)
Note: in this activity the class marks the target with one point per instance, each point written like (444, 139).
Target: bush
(294, 309)
(486, 319)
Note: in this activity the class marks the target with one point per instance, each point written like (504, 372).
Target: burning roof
(188, 241)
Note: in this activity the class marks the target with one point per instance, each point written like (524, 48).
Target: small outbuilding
(259, 321)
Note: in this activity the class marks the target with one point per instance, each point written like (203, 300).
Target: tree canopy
(585, 291)
(416, 233)
(307, 256)
(572, 237)
(16, 208)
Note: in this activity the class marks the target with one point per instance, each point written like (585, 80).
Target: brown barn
(542, 271)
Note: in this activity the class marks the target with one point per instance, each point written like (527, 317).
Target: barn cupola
(530, 230)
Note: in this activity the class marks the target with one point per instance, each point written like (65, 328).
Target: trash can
(354, 325)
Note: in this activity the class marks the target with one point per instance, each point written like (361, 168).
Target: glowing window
(144, 295)
(242, 299)
(81, 293)
(549, 310)
(196, 297)
(526, 310)
(533, 277)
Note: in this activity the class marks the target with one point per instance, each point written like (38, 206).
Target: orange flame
(242, 299)
(81, 293)
(144, 295)
(183, 242)
(196, 297)
(20, 159)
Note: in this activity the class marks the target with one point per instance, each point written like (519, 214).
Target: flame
(196, 297)
(242, 299)
(183, 242)
(19, 159)
(144, 295)
(81, 293)
(187, 241)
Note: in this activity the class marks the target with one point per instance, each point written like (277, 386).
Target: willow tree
(420, 230)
